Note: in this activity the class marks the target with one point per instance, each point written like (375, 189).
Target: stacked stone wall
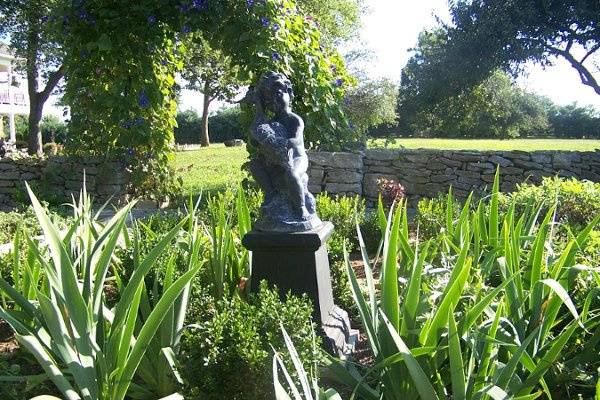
(60, 177)
(428, 173)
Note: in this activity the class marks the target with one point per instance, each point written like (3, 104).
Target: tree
(211, 72)
(32, 28)
(487, 35)
(495, 108)
(338, 20)
(371, 103)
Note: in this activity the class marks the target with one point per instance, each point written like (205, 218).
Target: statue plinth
(298, 263)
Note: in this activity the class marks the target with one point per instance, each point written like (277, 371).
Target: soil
(8, 343)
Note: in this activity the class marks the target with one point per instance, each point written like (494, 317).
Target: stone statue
(280, 162)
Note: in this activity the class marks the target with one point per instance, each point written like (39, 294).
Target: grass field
(215, 167)
(210, 169)
(491, 144)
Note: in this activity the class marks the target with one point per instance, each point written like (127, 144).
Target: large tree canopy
(487, 35)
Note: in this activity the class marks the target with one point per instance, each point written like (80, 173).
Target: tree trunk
(204, 138)
(35, 133)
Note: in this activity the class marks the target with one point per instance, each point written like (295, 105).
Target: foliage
(496, 107)
(486, 309)
(227, 351)
(33, 29)
(308, 388)
(574, 121)
(487, 35)
(53, 129)
(371, 103)
(225, 125)
(88, 350)
(577, 200)
(338, 20)
(123, 73)
(432, 215)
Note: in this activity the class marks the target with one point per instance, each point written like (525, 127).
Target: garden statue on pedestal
(280, 163)
(288, 242)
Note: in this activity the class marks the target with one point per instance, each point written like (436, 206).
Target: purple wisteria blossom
(143, 100)
(265, 22)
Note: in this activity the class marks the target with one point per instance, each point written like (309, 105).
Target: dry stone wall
(60, 177)
(427, 173)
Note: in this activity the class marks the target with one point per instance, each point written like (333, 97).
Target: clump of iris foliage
(492, 298)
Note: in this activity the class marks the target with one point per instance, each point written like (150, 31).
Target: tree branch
(53, 80)
(587, 78)
(589, 53)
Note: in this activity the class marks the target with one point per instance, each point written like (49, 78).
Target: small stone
(347, 161)
(381, 154)
(343, 188)
(501, 161)
(343, 176)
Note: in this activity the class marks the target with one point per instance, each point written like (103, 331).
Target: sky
(391, 28)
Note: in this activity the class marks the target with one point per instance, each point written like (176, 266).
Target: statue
(280, 163)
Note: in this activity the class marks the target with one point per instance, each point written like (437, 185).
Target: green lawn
(492, 144)
(210, 169)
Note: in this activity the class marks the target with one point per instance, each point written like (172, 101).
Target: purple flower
(186, 29)
(346, 100)
(265, 22)
(139, 121)
(130, 152)
(275, 27)
(143, 100)
(82, 15)
(200, 4)
(275, 56)
(250, 3)
(45, 18)
(163, 62)
(126, 124)
(351, 125)
(151, 19)
(339, 82)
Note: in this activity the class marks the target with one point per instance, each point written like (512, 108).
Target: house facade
(13, 95)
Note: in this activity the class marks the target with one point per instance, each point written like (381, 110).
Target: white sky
(391, 28)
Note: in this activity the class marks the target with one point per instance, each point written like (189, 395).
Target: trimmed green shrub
(227, 354)
(578, 200)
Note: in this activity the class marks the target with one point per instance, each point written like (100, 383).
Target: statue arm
(297, 137)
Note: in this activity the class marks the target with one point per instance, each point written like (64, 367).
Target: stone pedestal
(298, 262)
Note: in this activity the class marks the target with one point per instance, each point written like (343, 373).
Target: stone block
(501, 161)
(343, 176)
(28, 176)
(591, 176)
(564, 160)
(468, 174)
(480, 166)
(527, 164)
(347, 161)
(343, 188)
(435, 165)
(470, 181)
(541, 157)
(442, 178)
(466, 156)
(517, 154)
(511, 171)
(11, 175)
(450, 162)
(381, 154)
(316, 174)
(321, 158)
(314, 189)
(379, 169)
(7, 166)
(415, 179)
(6, 184)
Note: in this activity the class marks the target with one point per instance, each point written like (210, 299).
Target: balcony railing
(18, 98)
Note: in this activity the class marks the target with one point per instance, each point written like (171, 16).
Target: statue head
(275, 91)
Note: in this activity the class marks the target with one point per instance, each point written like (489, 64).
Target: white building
(13, 99)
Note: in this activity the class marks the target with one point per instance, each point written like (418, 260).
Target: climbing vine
(123, 57)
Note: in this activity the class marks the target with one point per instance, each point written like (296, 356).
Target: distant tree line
(225, 124)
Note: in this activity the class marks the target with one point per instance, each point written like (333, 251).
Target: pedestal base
(298, 263)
